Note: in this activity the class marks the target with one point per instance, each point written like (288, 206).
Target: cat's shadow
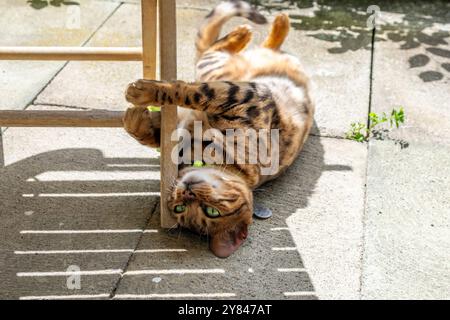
(267, 266)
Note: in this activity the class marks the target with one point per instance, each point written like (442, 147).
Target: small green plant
(360, 132)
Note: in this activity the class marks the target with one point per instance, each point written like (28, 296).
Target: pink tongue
(224, 247)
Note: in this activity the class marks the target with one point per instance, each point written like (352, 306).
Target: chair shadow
(43, 193)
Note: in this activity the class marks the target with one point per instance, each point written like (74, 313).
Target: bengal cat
(259, 88)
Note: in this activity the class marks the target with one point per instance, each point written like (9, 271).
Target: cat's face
(215, 203)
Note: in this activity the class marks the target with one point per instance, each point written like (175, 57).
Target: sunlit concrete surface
(351, 220)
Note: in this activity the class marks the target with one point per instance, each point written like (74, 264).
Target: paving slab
(82, 201)
(100, 85)
(407, 240)
(311, 247)
(22, 25)
(334, 45)
(328, 56)
(415, 54)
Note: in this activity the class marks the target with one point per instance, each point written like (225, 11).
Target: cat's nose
(188, 184)
(188, 195)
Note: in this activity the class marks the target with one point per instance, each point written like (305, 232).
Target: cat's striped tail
(226, 10)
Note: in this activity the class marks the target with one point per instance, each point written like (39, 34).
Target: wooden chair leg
(168, 70)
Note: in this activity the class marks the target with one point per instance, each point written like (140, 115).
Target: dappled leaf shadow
(40, 4)
(428, 76)
(344, 23)
(446, 66)
(419, 60)
(439, 52)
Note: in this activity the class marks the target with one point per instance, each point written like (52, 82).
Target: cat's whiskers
(173, 227)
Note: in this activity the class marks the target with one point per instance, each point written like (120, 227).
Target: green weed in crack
(362, 133)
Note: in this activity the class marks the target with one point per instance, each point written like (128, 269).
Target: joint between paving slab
(193, 8)
(125, 269)
(372, 54)
(136, 3)
(363, 245)
(61, 106)
(327, 136)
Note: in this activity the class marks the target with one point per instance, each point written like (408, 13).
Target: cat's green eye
(179, 208)
(212, 212)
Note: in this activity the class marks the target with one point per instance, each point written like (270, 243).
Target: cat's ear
(223, 245)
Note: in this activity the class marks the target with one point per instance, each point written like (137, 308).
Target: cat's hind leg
(143, 125)
(212, 26)
(235, 41)
(215, 64)
(278, 33)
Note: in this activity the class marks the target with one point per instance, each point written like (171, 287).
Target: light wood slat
(149, 37)
(168, 65)
(47, 118)
(71, 53)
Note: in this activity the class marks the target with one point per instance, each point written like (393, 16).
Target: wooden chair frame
(153, 11)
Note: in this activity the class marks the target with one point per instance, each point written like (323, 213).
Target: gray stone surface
(421, 84)
(341, 239)
(21, 81)
(327, 228)
(407, 241)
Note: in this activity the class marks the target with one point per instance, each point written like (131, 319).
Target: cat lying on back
(261, 88)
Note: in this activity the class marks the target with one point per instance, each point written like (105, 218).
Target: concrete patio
(351, 220)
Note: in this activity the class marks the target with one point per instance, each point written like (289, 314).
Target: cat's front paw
(143, 125)
(140, 93)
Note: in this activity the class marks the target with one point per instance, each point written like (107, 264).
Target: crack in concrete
(128, 262)
(372, 54)
(32, 102)
(61, 106)
(329, 136)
